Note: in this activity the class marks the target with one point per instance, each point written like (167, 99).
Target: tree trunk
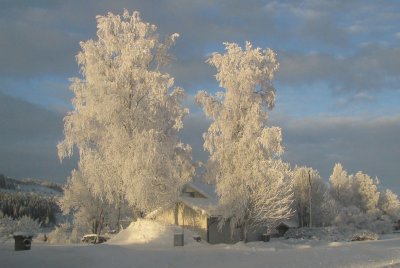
(119, 219)
(98, 223)
(244, 229)
(101, 225)
(119, 213)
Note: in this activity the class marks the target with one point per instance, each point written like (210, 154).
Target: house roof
(206, 190)
(204, 205)
(289, 224)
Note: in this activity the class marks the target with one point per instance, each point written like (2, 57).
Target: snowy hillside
(30, 186)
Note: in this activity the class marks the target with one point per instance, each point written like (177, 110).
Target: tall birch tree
(127, 115)
(252, 183)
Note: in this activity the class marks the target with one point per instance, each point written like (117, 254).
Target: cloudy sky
(338, 90)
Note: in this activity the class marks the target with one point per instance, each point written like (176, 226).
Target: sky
(338, 90)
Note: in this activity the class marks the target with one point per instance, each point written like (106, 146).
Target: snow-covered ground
(155, 249)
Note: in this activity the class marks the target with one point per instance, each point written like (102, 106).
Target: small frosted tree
(390, 205)
(341, 185)
(89, 211)
(365, 193)
(309, 195)
(127, 116)
(252, 183)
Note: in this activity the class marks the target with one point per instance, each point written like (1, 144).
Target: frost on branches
(253, 184)
(311, 196)
(390, 205)
(360, 204)
(340, 185)
(127, 115)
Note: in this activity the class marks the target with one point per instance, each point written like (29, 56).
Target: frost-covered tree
(361, 205)
(253, 185)
(365, 193)
(341, 185)
(127, 116)
(390, 205)
(310, 194)
(89, 211)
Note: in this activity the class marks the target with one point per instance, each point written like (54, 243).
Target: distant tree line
(346, 200)
(36, 206)
(16, 204)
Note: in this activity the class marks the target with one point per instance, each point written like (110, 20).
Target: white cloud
(372, 68)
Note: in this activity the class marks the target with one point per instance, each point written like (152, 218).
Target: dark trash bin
(23, 242)
(265, 237)
(178, 240)
(197, 238)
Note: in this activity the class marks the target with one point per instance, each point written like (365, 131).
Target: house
(196, 210)
(284, 226)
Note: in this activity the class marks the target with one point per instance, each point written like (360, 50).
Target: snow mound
(150, 232)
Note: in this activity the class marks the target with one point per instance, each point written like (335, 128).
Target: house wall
(256, 235)
(224, 235)
(183, 215)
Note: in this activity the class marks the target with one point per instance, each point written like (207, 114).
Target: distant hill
(30, 186)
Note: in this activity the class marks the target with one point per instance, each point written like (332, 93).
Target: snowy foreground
(133, 249)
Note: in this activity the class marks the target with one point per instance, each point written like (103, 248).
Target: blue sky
(338, 91)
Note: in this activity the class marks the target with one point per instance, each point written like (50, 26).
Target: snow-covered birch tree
(341, 186)
(365, 192)
(252, 183)
(127, 116)
(389, 203)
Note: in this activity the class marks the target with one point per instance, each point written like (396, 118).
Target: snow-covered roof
(289, 224)
(207, 190)
(205, 205)
(25, 234)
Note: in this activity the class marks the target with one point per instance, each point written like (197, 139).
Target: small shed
(283, 226)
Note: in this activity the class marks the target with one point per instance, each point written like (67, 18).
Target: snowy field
(382, 253)
(149, 244)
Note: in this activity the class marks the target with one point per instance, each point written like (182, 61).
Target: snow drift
(150, 232)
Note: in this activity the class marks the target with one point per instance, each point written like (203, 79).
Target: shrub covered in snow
(6, 226)
(65, 233)
(25, 224)
(331, 234)
(352, 217)
(364, 235)
(60, 235)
